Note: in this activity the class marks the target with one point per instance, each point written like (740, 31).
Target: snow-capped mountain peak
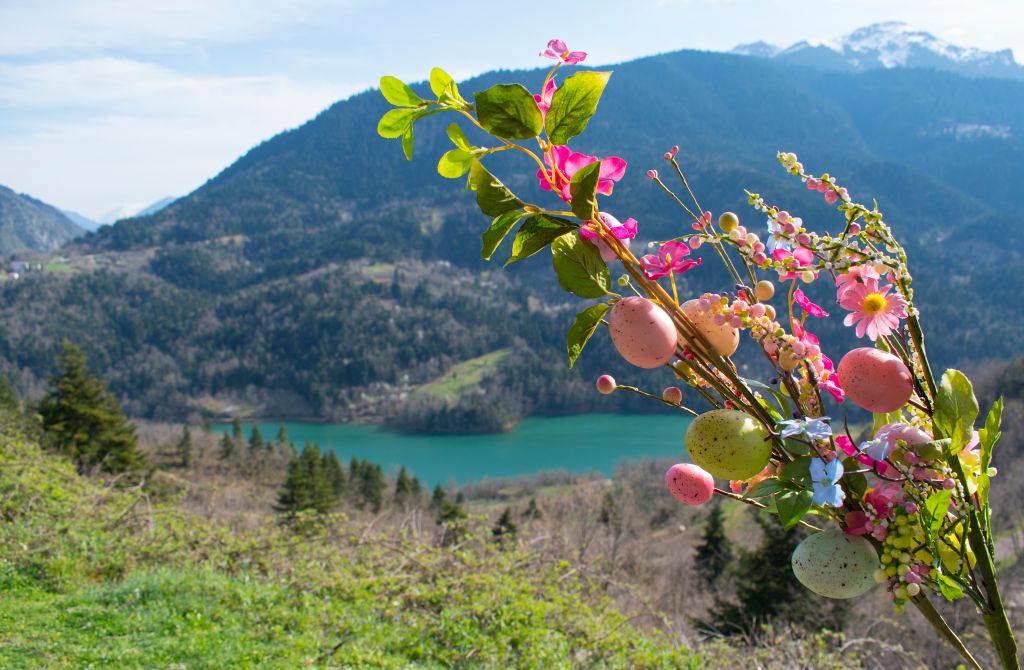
(892, 44)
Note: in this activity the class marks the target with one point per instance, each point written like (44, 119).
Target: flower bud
(605, 384)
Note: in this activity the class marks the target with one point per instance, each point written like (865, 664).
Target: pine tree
(450, 517)
(714, 553)
(438, 498)
(532, 510)
(236, 429)
(282, 436)
(184, 448)
(255, 440)
(417, 489)
(227, 447)
(84, 421)
(505, 530)
(334, 474)
(322, 497)
(371, 486)
(305, 486)
(403, 488)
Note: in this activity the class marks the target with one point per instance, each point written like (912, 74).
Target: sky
(107, 104)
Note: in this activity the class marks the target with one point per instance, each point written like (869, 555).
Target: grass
(58, 267)
(463, 376)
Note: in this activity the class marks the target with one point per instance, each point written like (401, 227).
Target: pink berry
(695, 242)
(606, 384)
(652, 174)
(804, 239)
(672, 394)
(690, 484)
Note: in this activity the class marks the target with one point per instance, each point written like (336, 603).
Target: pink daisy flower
(855, 276)
(874, 310)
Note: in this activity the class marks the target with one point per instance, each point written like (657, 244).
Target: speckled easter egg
(689, 483)
(875, 380)
(723, 338)
(835, 565)
(642, 332)
(728, 443)
(902, 431)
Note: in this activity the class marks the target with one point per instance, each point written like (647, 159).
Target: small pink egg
(672, 394)
(642, 332)
(606, 384)
(875, 380)
(902, 431)
(690, 484)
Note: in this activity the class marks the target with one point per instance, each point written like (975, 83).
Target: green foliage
(573, 104)
(492, 197)
(226, 447)
(334, 474)
(256, 443)
(505, 529)
(956, 408)
(792, 506)
(583, 187)
(398, 93)
(498, 231)
(184, 448)
(8, 398)
(582, 329)
(537, 232)
(84, 421)
(403, 488)
(306, 486)
(509, 111)
(579, 267)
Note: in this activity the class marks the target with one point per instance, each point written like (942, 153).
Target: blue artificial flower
(814, 429)
(774, 240)
(825, 480)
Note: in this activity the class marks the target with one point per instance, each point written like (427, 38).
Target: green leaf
(398, 93)
(499, 229)
(579, 267)
(764, 488)
(396, 122)
(583, 187)
(509, 110)
(492, 196)
(444, 87)
(948, 587)
(784, 411)
(407, 143)
(988, 436)
(792, 506)
(885, 419)
(797, 471)
(454, 163)
(934, 512)
(582, 328)
(537, 232)
(573, 104)
(956, 408)
(458, 137)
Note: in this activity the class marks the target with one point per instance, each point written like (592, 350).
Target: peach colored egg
(875, 380)
(723, 338)
(689, 483)
(642, 332)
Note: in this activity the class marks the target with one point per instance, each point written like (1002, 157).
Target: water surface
(582, 443)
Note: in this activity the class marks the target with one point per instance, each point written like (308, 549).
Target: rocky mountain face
(27, 224)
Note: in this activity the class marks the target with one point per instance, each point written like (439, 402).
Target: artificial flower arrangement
(907, 508)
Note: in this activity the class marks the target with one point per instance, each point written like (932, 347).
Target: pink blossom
(884, 496)
(544, 99)
(802, 257)
(858, 523)
(846, 444)
(564, 163)
(873, 309)
(671, 259)
(809, 307)
(624, 231)
(558, 51)
(856, 275)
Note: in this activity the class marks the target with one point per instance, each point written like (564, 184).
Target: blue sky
(111, 103)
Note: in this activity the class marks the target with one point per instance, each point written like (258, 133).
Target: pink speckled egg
(902, 431)
(689, 483)
(723, 338)
(875, 380)
(642, 332)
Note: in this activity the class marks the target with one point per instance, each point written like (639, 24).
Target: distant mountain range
(322, 275)
(890, 45)
(27, 224)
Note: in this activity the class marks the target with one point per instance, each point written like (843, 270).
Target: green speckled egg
(835, 565)
(728, 443)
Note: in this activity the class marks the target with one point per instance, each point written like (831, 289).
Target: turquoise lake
(581, 443)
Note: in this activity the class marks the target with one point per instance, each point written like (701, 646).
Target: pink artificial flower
(558, 51)
(885, 496)
(828, 380)
(809, 307)
(671, 259)
(856, 275)
(873, 309)
(544, 99)
(846, 444)
(623, 231)
(858, 523)
(803, 258)
(564, 163)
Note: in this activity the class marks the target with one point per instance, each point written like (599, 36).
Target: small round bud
(913, 589)
(881, 577)
(605, 384)
(672, 394)
(807, 276)
(652, 174)
(728, 221)
(769, 311)
(624, 281)
(764, 290)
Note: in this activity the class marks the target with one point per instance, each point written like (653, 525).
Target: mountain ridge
(28, 224)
